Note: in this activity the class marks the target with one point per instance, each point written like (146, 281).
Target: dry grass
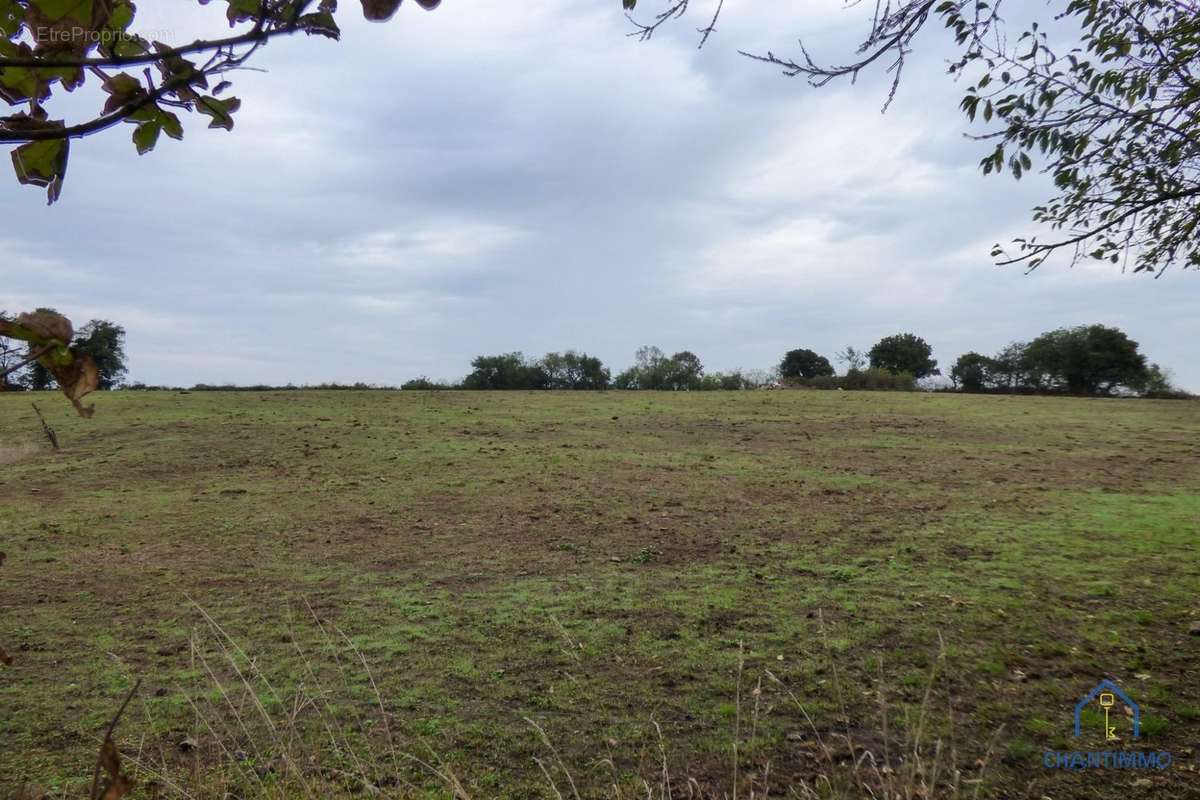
(254, 740)
(16, 453)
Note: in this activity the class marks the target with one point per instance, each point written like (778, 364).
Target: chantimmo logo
(1119, 712)
(1106, 695)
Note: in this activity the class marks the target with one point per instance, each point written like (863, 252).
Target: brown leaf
(379, 10)
(77, 379)
(49, 334)
(120, 787)
(48, 325)
(117, 785)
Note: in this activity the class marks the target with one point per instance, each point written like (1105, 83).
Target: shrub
(421, 383)
(859, 380)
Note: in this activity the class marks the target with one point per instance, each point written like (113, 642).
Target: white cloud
(427, 245)
(479, 178)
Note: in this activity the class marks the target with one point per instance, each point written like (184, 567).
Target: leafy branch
(1114, 121)
(51, 46)
(49, 337)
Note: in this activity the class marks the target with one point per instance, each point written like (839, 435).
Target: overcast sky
(493, 177)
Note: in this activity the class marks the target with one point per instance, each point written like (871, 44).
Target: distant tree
(12, 352)
(104, 341)
(803, 363)
(648, 370)
(38, 378)
(648, 355)
(854, 359)
(904, 352)
(1088, 359)
(572, 370)
(685, 372)
(1158, 380)
(971, 372)
(730, 381)
(653, 370)
(506, 371)
(420, 383)
(1160, 385)
(1008, 368)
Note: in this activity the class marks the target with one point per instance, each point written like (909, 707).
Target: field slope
(598, 563)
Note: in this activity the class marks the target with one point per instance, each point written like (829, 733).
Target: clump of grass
(646, 555)
(15, 453)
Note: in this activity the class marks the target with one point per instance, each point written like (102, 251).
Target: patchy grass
(600, 563)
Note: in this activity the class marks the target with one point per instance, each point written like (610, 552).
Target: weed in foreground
(255, 740)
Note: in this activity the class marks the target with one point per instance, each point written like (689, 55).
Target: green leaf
(11, 17)
(42, 163)
(221, 111)
(171, 125)
(321, 25)
(121, 17)
(145, 136)
(54, 10)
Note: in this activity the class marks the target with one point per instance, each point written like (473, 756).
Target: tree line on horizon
(1084, 360)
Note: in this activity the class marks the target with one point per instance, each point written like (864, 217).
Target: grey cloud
(478, 180)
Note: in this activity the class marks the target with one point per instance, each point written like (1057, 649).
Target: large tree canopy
(804, 363)
(904, 353)
(1086, 359)
(1114, 118)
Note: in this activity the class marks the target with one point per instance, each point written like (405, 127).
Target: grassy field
(607, 566)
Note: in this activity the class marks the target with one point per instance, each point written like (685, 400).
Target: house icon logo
(1107, 695)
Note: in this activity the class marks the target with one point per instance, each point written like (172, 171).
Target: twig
(45, 427)
(33, 356)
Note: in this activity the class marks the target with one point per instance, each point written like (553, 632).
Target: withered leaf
(49, 336)
(42, 163)
(118, 785)
(47, 325)
(77, 379)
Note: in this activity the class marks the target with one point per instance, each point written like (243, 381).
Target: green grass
(599, 563)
